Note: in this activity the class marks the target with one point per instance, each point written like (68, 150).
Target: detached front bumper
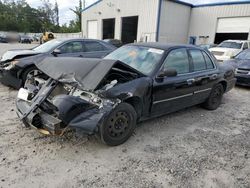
(9, 78)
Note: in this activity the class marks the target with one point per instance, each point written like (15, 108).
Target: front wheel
(119, 125)
(29, 73)
(215, 97)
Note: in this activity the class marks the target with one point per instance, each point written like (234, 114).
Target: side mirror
(56, 52)
(167, 73)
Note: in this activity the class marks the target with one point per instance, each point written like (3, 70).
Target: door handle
(80, 55)
(190, 81)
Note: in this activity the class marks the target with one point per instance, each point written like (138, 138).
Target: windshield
(143, 59)
(243, 55)
(48, 46)
(235, 45)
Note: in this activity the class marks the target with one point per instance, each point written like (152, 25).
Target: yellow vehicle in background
(47, 36)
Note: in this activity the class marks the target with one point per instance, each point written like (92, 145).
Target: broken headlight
(88, 96)
(11, 65)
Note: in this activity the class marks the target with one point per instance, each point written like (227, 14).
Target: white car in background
(229, 48)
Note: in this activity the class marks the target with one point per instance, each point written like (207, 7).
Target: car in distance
(241, 63)
(109, 96)
(117, 43)
(17, 65)
(228, 49)
(26, 39)
(207, 46)
(3, 38)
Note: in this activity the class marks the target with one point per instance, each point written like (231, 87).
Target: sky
(66, 15)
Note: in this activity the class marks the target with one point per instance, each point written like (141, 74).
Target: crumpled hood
(11, 54)
(86, 73)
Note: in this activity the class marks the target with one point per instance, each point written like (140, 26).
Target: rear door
(205, 74)
(174, 93)
(95, 49)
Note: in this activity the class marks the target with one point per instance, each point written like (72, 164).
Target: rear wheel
(119, 125)
(215, 97)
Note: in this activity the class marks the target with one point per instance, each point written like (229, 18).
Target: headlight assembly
(11, 65)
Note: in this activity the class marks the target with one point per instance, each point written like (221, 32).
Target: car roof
(236, 41)
(164, 46)
(72, 39)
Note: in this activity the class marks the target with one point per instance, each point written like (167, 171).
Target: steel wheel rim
(118, 125)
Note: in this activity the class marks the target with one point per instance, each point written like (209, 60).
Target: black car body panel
(70, 100)
(28, 58)
(242, 71)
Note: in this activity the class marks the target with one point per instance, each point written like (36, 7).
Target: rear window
(235, 45)
(198, 60)
(209, 62)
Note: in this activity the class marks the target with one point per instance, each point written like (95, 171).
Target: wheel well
(137, 104)
(224, 84)
(25, 69)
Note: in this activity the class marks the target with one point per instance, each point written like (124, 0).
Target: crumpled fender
(80, 114)
(140, 89)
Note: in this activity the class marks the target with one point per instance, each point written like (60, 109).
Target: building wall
(204, 19)
(146, 10)
(174, 22)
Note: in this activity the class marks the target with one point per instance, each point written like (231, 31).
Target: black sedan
(17, 65)
(241, 63)
(109, 96)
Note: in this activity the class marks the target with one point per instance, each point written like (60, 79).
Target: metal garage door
(92, 29)
(234, 25)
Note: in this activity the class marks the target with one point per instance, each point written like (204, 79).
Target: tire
(119, 125)
(215, 97)
(27, 73)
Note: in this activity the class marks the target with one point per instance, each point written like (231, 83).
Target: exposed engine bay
(52, 104)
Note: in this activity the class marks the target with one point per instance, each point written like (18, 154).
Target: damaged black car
(17, 65)
(109, 96)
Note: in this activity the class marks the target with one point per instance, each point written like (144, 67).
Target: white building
(166, 21)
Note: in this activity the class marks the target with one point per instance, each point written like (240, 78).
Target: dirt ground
(190, 148)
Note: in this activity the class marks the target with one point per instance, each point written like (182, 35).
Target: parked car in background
(17, 65)
(207, 46)
(241, 63)
(46, 36)
(229, 48)
(3, 38)
(37, 37)
(26, 39)
(117, 43)
(109, 96)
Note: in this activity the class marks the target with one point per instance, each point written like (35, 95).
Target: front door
(71, 49)
(174, 93)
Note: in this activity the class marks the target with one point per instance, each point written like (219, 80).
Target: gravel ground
(190, 148)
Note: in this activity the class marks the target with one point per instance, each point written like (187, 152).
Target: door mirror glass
(167, 73)
(56, 52)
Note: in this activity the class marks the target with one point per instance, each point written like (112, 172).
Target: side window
(209, 62)
(198, 60)
(93, 46)
(245, 46)
(72, 47)
(178, 60)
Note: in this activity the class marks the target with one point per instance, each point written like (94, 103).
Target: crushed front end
(53, 107)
